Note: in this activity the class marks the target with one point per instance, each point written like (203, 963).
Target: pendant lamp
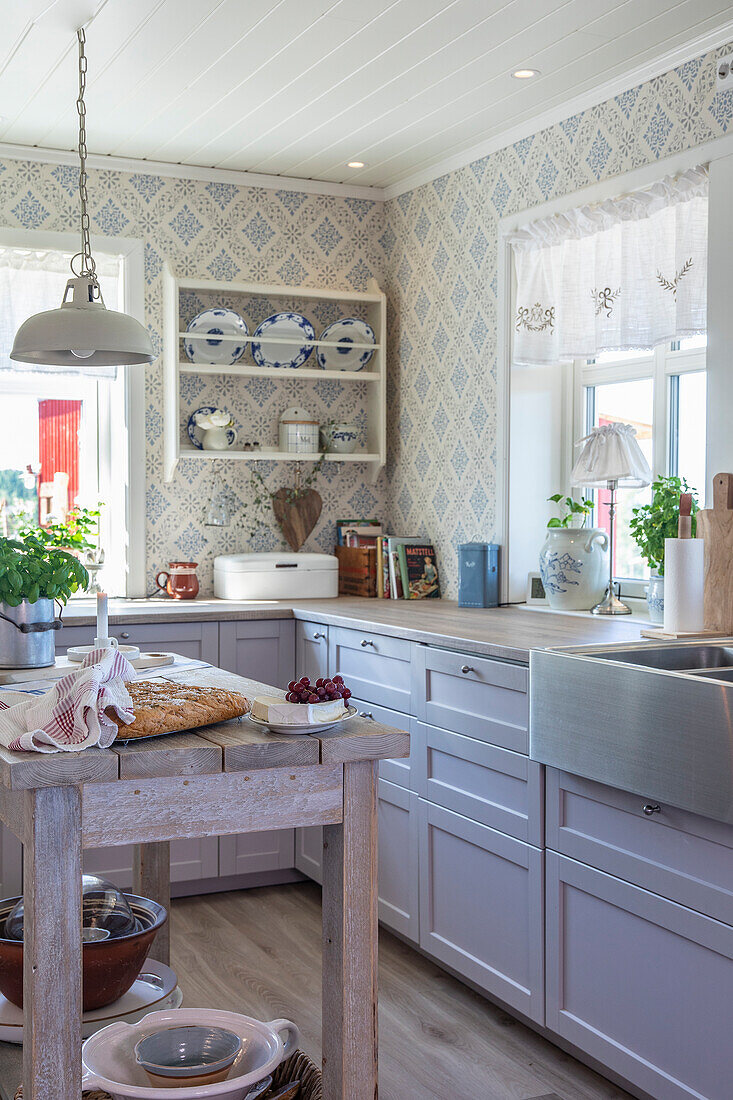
(82, 332)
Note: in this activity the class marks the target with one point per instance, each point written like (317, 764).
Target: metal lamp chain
(88, 266)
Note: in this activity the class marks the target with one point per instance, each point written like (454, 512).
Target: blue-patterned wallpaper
(221, 231)
(433, 248)
(441, 246)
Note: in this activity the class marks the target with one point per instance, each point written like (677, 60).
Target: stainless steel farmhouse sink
(654, 719)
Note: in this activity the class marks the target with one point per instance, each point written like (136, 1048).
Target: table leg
(151, 878)
(350, 928)
(52, 944)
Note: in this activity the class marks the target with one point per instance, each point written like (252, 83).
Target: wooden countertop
(507, 632)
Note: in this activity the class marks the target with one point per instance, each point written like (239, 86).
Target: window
(662, 394)
(58, 453)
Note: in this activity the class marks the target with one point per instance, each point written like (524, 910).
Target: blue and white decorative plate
(192, 428)
(213, 323)
(347, 331)
(287, 327)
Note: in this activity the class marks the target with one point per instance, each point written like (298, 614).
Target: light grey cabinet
(394, 771)
(640, 983)
(494, 786)
(311, 650)
(481, 906)
(197, 640)
(254, 853)
(378, 669)
(191, 861)
(476, 696)
(260, 649)
(398, 864)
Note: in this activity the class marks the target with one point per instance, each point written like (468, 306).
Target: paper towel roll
(684, 583)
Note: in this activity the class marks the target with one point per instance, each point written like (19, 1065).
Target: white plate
(301, 731)
(288, 327)
(349, 330)
(155, 987)
(216, 322)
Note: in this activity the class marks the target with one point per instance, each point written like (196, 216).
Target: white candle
(102, 615)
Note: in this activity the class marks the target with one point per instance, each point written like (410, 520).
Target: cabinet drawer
(641, 984)
(497, 787)
(475, 696)
(395, 771)
(376, 668)
(197, 640)
(671, 852)
(481, 906)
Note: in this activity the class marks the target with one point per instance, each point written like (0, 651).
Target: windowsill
(639, 613)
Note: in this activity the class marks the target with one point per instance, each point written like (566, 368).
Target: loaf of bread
(164, 707)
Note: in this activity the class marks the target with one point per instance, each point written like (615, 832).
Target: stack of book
(387, 566)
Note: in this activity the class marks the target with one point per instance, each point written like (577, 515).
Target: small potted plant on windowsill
(32, 576)
(573, 559)
(650, 525)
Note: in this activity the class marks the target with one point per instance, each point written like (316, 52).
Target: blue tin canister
(478, 574)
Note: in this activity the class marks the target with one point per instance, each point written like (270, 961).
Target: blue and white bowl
(296, 333)
(213, 324)
(345, 333)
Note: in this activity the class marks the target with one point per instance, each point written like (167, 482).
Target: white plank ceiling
(300, 87)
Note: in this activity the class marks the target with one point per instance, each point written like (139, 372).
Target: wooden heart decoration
(298, 517)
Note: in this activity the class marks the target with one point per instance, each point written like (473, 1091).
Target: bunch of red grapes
(323, 691)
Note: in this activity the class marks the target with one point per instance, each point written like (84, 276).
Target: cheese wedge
(271, 708)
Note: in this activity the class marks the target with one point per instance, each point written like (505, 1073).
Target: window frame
(127, 423)
(662, 366)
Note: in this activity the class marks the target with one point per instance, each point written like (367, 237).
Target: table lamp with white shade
(611, 459)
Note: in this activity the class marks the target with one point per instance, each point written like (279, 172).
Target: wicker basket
(297, 1065)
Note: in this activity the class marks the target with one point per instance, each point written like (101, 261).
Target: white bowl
(109, 1063)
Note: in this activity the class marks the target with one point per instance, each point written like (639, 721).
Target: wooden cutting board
(715, 526)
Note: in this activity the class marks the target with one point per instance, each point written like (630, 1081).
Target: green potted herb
(573, 559)
(32, 575)
(650, 525)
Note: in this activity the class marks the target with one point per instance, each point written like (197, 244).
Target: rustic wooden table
(224, 779)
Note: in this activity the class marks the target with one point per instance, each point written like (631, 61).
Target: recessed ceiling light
(355, 164)
(525, 74)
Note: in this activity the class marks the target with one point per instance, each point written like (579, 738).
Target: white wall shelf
(373, 303)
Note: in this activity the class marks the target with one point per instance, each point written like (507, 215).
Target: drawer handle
(318, 634)
(125, 634)
(465, 669)
(365, 642)
(366, 714)
(650, 808)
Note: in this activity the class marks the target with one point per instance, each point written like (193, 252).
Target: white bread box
(275, 576)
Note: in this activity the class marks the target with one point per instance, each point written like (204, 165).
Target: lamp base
(610, 605)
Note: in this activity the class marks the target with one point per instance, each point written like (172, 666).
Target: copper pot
(180, 580)
(109, 967)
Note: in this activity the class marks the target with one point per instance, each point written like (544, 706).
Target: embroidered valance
(622, 275)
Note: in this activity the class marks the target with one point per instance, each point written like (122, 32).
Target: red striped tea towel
(71, 714)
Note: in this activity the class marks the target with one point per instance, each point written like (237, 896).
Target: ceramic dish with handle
(213, 324)
(289, 340)
(344, 334)
(305, 728)
(109, 1062)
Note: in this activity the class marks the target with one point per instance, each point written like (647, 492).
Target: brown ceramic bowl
(109, 967)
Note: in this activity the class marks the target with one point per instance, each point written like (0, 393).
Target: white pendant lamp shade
(611, 454)
(82, 333)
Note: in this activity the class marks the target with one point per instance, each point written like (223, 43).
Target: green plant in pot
(574, 558)
(650, 525)
(33, 574)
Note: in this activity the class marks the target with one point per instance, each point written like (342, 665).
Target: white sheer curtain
(32, 281)
(620, 275)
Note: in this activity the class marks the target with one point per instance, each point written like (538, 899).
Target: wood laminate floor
(259, 952)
